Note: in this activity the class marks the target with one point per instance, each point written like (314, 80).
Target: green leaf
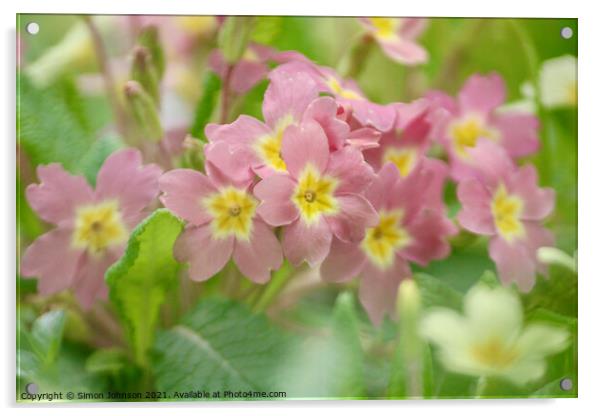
(206, 105)
(435, 292)
(57, 124)
(109, 360)
(220, 345)
(46, 335)
(331, 364)
(139, 281)
(349, 357)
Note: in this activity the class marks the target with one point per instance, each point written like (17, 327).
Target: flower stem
(109, 80)
(352, 63)
(279, 279)
(225, 98)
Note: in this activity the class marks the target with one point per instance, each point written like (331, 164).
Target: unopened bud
(145, 73)
(234, 37)
(144, 113)
(150, 39)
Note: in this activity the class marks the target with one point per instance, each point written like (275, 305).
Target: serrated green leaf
(435, 292)
(139, 281)
(57, 124)
(206, 105)
(220, 345)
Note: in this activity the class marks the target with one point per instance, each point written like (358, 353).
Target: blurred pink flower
(397, 37)
(410, 229)
(407, 142)
(319, 194)
(221, 215)
(250, 70)
(346, 91)
(473, 116)
(92, 226)
(505, 202)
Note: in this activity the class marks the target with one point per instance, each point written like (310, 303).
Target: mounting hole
(31, 388)
(32, 28)
(566, 384)
(566, 32)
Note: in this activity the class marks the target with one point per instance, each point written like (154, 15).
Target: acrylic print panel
(271, 208)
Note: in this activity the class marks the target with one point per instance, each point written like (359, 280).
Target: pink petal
(344, 262)
(514, 263)
(538, 236)
(206, 255)
(183, 190)
(412, 27)
(349, 167)
(482, 93)
(430, 232)
(364, 138)
(307, 242)
(378, 289)
(89, 283)
(379, 191)
(324, 111)
(58, 195)
(442, 100)
(519, 133)
(490, 162)
(381, 117)
(538, 202)
(475, 214)
(123, 177)
(227, 165)
(356, 213)
(258, 256)
(305, 144)
(241, 132)
(217, 63)
(246, 74)
(288, 94)
(404, 51)
(276, 207)
(51, 259)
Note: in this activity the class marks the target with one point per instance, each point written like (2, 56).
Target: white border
(590, 206)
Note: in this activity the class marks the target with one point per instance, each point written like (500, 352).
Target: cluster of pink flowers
(328, 177)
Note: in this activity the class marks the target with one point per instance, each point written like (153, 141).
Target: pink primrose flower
(409, 229)
(397, 37)
(318, 196)
(504, 202)
(473, 116)
(92, 226)
(222, 217)
(346, 92)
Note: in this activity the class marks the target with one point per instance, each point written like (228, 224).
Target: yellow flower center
(381, 242)
(386, 27)
(338, 89)
(98, 227)
(465, 134)
(314, 195)
(403, 159)
(494, 354)
(268, 147)
(232, 210)
(506, 210)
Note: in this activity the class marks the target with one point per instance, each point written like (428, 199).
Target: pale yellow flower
(489, 340)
